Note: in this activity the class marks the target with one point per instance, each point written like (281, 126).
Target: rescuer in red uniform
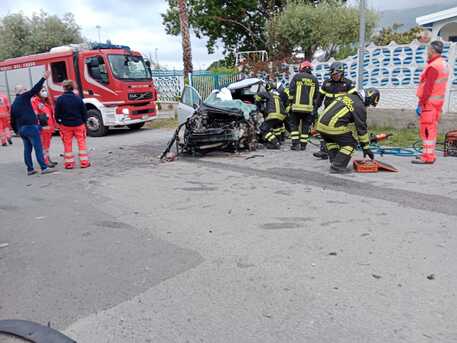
(71, 115)
(5, 132)
(431, 93)
(45, 113)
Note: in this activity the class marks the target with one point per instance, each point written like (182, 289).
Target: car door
(190, 101)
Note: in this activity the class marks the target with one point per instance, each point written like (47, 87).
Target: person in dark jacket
(274, 113)
(25, 123)
(335, 86)
(304, 89)
(335, 126)
(71, 114)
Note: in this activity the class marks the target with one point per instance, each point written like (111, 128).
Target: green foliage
(21, 35)
(389, 34)
(238, 24)
(329, 25)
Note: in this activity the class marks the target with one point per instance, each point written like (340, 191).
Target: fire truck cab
(114, 82)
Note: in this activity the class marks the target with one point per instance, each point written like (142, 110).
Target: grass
(403, 138)
(163, 123)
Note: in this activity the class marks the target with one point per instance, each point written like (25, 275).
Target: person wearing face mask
(45, 113)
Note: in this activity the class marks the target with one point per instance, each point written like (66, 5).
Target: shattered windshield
(230, 105)
(128, 67)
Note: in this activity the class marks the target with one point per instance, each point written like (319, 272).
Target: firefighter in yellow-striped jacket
(274, 113)
(335, 86)
(304, 91)
(334, 126)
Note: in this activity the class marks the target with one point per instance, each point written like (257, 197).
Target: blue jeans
(30, 135)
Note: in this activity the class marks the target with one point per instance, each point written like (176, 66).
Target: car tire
(95, 126)
(136, 126)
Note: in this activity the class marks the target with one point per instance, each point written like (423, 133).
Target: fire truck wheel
(95, 127)
(136, 126)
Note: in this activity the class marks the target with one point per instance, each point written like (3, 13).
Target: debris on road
(333, 253)
(253, 156)
(377, 277)
(431, 277)
(4, 245)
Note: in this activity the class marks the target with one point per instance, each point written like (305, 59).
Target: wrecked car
(228, 120)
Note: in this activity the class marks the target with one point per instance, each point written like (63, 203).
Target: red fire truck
(114, 82)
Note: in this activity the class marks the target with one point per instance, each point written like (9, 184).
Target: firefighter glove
(418, 110)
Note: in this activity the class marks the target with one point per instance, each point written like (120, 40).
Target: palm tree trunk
(186, 48)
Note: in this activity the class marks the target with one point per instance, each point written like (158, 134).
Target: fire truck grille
(140, 96)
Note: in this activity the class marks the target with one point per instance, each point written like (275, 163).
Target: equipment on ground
(372, 166)
(33, 332)
(114, 82)
(450, 144)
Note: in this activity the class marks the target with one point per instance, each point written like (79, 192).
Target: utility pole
(186, 48)
(98, 27)
(361, 44)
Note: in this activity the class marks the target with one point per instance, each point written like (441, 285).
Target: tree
(21, 35)
(186, 47)
(302, 27)
(391, 33)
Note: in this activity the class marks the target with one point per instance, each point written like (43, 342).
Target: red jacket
(433, 82)
(4, 107)
(44, 107)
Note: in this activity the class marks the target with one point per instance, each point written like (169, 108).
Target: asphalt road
(228, 249)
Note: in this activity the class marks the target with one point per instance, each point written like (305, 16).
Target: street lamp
(361, 44)
(98, 27)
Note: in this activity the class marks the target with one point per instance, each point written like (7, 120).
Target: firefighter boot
(322, 153)
(332, 154)
(295, 145)
(303, 146)
(340, 163)
(273, 144)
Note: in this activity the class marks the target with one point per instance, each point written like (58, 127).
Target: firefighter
(304, 88)
(71, 115)
(337, 85)
(5, 132)
(284, 93)
(431, 92)
(274, 113)
(45, 113)
(334, 125)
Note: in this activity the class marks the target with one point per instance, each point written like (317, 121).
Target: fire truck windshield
(128, 67)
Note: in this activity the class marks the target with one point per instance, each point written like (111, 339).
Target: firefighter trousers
(300, 124)
(79, 132)
(340, 148)
(269, 128)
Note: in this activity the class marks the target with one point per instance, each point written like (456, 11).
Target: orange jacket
(44, 107)
(4, 106)
(433, 82)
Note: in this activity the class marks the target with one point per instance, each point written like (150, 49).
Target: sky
(138, 23)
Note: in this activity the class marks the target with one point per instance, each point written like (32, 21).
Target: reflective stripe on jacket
(436, 94)
(303, 92)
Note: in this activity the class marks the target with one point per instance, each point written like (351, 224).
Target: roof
(437, 16)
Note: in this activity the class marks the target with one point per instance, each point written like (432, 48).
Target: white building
(442, 24)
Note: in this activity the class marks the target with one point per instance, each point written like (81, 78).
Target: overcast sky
(138, 23)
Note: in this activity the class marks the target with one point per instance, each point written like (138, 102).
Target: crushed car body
(228, 120)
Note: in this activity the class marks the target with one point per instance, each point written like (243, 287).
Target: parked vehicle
(114, 82)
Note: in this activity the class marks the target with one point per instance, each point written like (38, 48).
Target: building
(442, 24)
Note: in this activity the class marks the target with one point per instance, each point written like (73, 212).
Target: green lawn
(401, 137)
(163, 123)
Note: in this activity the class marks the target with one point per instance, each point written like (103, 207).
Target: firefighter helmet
(337, 67)
(370, 96)
(305, 65)
(270, 86)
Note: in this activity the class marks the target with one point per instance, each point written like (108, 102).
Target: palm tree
(186, 48)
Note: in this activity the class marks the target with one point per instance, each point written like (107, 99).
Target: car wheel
(95, 127)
